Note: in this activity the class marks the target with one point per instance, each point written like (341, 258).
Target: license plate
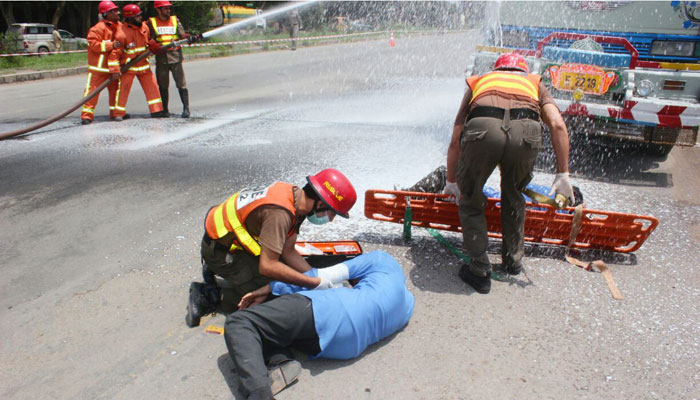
(589, 83)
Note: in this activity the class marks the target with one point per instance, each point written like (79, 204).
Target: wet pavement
(101, 226)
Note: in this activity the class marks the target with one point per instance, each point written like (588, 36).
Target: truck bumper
(642, 111)
(639, 119)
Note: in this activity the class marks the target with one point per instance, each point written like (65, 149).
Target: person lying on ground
(338, 323)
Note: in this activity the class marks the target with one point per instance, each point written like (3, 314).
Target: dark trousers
(259, 331)
(163, 75)
(486, 143)
(240, 270)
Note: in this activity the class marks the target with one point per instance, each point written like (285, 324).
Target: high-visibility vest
(166, 31)
(230, 216)
(505, 82)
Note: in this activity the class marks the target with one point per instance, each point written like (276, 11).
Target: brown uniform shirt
(271, 224)
(501, 100)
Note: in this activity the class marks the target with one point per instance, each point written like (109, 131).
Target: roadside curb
(35, 75)
(56, 73)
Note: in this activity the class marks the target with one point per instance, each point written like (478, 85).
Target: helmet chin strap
(316, 208)
(313, 209)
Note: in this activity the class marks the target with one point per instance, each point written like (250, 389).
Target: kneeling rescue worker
(249, 240)
(501, 110)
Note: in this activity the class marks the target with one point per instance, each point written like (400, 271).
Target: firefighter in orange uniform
(137, 38)
(103, 60)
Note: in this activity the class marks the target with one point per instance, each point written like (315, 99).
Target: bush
(8, 43)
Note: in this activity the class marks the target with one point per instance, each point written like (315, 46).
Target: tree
(57, 14)
(8, 12)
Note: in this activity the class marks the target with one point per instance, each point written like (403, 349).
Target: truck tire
(43, 49)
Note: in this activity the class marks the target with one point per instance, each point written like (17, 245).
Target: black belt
(495, 112)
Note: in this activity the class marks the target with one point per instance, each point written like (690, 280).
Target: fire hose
(89, 96)
(140, 57)
(82, 101)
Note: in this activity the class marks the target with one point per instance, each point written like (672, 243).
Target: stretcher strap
(441, 239)
(540, 198)
(598, 264)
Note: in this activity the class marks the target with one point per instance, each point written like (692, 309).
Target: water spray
(147, 53)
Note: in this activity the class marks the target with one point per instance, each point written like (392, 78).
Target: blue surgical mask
(316, 220)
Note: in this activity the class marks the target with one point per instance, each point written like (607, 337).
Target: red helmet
(131, 10)
(106, 6)
(335, 190)
(161, 3)
(512, 61)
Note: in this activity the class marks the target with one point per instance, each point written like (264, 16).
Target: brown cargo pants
(486, 143)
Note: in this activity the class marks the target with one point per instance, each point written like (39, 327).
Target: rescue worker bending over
(339, 323)
(501, 110)
(137, 38)
(249, 239)
(103, 60)
(166, 28)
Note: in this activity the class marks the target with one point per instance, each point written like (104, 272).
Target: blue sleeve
(280, 288)
(374, 262)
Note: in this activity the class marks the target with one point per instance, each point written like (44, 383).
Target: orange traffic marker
(604, 230)
(392, 42)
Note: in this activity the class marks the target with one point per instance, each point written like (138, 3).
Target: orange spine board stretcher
(334, 248)
(603, 230)
(326, 254)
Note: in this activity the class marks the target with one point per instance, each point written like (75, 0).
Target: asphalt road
(100, 231)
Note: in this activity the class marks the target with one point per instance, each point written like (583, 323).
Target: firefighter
(498, 125)
(249, 239)
(103, 60)
(137, 38)
(166, 28)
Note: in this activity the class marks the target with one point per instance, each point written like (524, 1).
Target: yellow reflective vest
(230, 216)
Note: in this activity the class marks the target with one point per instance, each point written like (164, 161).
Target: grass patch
(11, 65)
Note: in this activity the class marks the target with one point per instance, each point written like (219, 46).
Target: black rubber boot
(481, 284)
(202, 301)
(164, 99)
(160, 114)
(185, 97)
(514, 269)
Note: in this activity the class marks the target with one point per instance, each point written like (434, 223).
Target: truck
(628, 70)
(227, 14)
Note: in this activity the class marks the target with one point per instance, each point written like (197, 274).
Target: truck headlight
(644, 88)
(672, 48)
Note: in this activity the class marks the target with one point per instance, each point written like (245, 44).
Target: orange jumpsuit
(102, 62)
(135, 43)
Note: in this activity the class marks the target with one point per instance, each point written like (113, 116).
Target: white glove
(561, 185)
(325, 284)
(336, 273)
(452, 189)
